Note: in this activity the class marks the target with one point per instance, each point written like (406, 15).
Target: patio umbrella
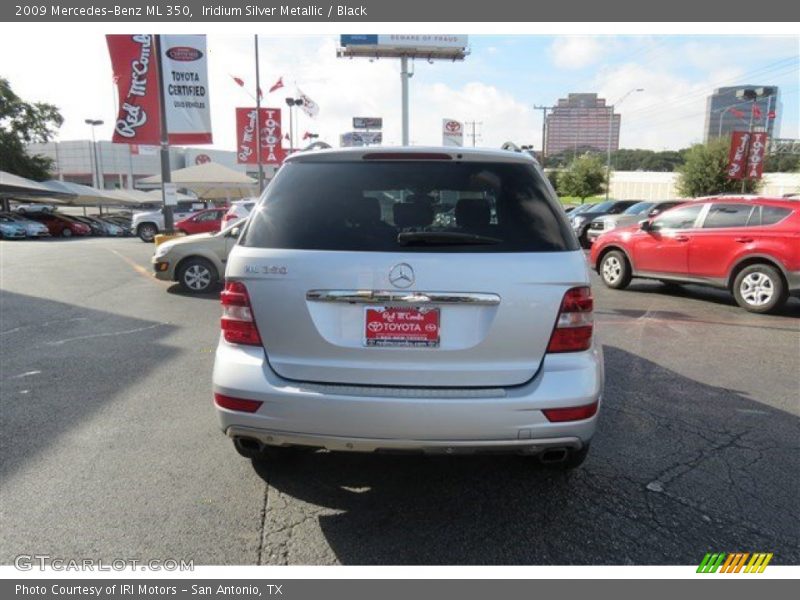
(209, 181)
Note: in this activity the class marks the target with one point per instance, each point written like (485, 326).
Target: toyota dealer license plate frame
(402, 327)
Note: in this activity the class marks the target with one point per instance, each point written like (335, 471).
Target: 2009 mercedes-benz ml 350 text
(411, 299)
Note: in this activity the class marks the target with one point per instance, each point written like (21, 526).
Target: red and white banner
(185, 84)
(133, 60)
(185, 78)
(746, 156)
(737, 156)
(755, 159)
(272, 152)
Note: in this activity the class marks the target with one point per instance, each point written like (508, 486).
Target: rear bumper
(364, 418)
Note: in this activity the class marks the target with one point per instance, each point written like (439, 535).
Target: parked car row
(748, 245)
(41, 223)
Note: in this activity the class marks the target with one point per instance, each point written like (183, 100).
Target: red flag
(260, 93)
(771, 114)
(286, 137)
(238, 80)
(756, 111)
(278, 85)
(737, 113)
(306, 135)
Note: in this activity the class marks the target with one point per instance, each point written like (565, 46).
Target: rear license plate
(388, 326)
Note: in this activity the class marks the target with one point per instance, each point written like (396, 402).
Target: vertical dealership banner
(755, 159)
(133, 61)
(185, 84)
(737, 156)
(452, 132)
(187, 107)
(272, 152)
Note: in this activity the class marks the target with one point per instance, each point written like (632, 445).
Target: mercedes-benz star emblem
(402, 275)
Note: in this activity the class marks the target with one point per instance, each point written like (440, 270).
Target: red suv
(204, 221)
(748, 245)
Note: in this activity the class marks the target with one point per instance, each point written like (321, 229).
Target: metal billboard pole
(258, 122)
(404, 77)
(166, 174)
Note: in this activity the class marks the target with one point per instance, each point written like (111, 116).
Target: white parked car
(239, 209)
(34, 208)
(410, 299)
(149, 223)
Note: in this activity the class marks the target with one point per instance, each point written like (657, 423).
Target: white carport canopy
(83, 195)
(210, 181)
(16, 187)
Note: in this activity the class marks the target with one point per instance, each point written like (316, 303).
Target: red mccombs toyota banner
(746, 155)
(272, 152)
(185, 84)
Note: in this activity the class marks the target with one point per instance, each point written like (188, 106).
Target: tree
(704, 172)
(585, 176)
(23, 123)
(782, 163)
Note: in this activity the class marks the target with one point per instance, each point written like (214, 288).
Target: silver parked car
(411, 299)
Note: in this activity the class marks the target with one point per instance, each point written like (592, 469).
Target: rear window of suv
(409, 206)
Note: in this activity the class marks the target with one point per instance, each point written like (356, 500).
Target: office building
(579, 122)
(728, 110)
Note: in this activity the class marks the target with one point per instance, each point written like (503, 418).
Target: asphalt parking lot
(109, 446)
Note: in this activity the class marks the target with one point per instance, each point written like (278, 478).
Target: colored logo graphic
(735, 562)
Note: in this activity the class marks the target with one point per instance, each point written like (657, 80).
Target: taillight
(573, 332)
(575, 413)
(238, 404)
(237, 322)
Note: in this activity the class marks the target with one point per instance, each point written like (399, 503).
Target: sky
(497, 85)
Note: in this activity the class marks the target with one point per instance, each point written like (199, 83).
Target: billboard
(755, 159)
(396, 40)
(367, 123)
(452, 132)
(272, 152)
(360, 138)
(393, 45)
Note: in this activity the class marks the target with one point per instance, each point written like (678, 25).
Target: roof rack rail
(317, 146)
(510, 146)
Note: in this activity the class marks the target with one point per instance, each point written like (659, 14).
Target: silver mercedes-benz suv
(411, 299)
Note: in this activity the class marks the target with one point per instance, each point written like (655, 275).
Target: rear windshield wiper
(409, 238)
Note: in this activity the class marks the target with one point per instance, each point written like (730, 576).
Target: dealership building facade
(122, 165)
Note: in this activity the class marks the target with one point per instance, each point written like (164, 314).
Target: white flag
(309, 107)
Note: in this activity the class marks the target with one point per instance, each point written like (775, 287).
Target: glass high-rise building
(728, 110)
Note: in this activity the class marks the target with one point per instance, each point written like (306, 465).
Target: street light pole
(92, 123)
(610, 134)
(404, 76)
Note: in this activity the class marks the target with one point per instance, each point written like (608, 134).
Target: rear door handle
(744, 240)
(681, 238)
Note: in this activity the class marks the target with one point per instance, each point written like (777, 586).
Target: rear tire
(615, 271)
(759, 289)
(147, 232)
(66, 232)
(197, 275)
